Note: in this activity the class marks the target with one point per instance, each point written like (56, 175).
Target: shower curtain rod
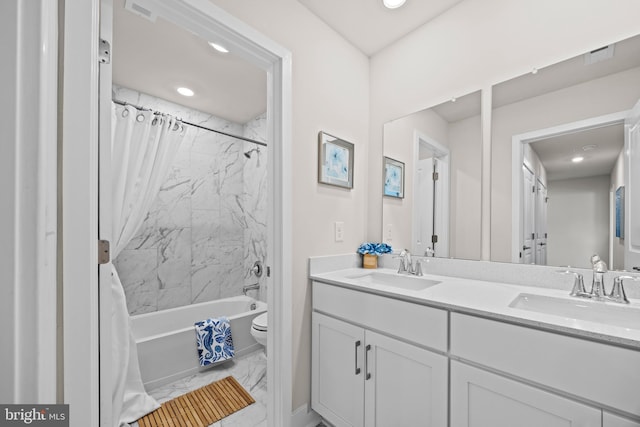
(253, 141)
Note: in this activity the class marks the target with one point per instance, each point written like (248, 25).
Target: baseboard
(305, 417)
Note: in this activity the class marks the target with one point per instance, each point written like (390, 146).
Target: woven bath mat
(201, 407)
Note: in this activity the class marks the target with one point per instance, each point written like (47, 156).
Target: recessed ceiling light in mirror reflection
(393, 4)
(185, 91)
(219, 47)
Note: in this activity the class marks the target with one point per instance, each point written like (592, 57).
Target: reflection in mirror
(441, 149)
(558, 159)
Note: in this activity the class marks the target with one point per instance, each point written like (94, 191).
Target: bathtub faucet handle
(257, 268)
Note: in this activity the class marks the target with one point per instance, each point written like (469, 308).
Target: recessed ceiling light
(393, 4)
(185, 91)
(589, 147)
(577, 159)
(219, 47)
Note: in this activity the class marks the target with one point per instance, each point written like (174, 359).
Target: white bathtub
(167, 340)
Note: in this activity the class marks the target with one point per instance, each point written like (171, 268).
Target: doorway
(89, 391)
(431, 194)
(546, 199)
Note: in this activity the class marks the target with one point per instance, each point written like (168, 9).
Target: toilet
(259, 329)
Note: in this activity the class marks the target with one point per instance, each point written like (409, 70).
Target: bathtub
(166, 339)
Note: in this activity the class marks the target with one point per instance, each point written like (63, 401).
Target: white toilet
(259, 329)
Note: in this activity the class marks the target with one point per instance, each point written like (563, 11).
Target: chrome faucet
(406, 266)
(246, 288)
(597, 285)
(598, 291)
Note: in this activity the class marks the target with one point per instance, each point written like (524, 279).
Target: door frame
(80, 199)
(517, 158)
(442, 153)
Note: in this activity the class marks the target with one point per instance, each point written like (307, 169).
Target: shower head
(248, 153)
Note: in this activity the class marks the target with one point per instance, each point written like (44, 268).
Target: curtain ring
(125, 112)
(154, 121)
(176, 126)
(140, 118)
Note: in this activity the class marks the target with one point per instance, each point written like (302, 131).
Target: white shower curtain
(143, 144)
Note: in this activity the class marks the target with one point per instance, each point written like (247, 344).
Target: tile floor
(251, 372)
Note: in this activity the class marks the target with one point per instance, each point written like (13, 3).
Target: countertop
(491, 300)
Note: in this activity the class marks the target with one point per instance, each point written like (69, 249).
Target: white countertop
(491, 300)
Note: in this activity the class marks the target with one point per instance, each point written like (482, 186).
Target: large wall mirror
(441, 149)
(561, 174)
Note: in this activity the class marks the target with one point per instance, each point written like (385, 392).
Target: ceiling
(370, 26)
(158, 57)
(603, 146)
(573, 71)
(460, 108)
(556, 153)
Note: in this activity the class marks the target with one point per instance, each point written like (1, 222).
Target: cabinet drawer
(601, 373)
(412, 322)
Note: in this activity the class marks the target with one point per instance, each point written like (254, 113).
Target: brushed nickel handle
(366, 361)
(356, 352)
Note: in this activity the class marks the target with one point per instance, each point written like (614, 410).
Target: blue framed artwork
(335, 161)
(393, 178)
(620, 212)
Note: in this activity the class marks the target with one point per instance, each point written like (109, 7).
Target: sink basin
(411, 283)
(580, 309)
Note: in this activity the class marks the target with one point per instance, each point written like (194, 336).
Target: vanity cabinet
(529, 362)
(481, 398)
(384, 361)
(364, 377)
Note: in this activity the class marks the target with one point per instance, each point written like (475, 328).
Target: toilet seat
(259, 323)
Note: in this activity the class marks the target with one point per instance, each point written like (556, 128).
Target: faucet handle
(418, 268)
(617, 291)
(578, 283)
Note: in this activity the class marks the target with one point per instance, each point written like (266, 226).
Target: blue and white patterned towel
(214, 340)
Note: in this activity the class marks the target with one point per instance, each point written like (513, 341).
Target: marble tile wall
(207, 225)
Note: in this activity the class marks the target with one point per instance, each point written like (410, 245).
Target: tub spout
(246, 288)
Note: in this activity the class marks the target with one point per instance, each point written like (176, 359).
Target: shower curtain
(143, 144)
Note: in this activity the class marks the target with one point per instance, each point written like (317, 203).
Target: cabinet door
(481, 398)
(337, 391)
(610, 420)
(404, 385)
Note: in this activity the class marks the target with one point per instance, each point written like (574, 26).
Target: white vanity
(399, 350)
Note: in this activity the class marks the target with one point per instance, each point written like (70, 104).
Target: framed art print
(393, 178)
(335, 161)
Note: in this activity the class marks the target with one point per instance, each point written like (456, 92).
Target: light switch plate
(339, 231)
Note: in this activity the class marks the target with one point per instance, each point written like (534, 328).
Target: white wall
(465, 143)
(578, 221)
(476, 44)
(610, 94)
(330, 93)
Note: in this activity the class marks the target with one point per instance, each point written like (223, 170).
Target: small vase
(369, 261)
